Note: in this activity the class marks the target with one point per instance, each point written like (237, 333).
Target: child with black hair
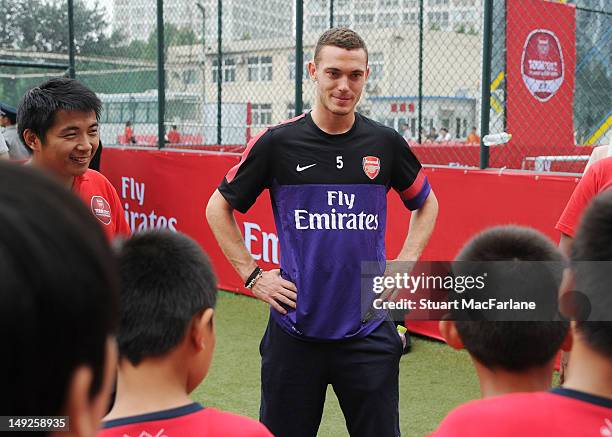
(58, 306)
(512, 355)
(583, 406)
(166, 342)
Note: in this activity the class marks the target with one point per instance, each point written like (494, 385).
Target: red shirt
(559, 413)
(129, 134)
(101, 198)
(189, 421)
(174, 136)
(597, 178)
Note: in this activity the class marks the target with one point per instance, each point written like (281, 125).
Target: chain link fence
(230, 70)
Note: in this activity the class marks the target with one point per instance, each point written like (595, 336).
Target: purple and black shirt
(329, 197)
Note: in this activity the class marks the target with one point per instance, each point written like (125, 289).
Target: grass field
(433, 377)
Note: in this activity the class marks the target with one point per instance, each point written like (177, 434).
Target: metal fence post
(420, 126)
(161, 78)
(203, 11)
(219, 69)
(299, 56)
(71, 48)
(331, 13)
(485, 104)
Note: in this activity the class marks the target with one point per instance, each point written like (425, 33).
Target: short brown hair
(342, 37)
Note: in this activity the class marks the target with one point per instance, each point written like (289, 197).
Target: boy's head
(58, 303)
(513, 346)
(168, 294)
(591, 275)
(58, 120)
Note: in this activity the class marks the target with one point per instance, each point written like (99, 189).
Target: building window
(410, 17)
(376, 61)
(228, 70)
(388, 20)
(291, 65)
(189, 77)
(367, 5)
(262, 114)
(364, 19)
(259, 68)
(342, 20)
(318, 22)
(291, 109)
(438, 18)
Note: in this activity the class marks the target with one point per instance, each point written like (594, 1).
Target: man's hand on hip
(272, 289)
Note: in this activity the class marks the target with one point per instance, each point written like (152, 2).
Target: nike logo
(298, 168)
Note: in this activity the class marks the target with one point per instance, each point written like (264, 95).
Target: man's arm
(422, 224)
(270, 288)
(565, 244)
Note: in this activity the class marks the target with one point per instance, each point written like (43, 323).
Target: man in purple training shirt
(328, 173)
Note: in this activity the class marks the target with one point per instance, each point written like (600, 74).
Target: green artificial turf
(433, 377)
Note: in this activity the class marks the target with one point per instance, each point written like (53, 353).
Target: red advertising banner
(540, 63)
(160, 189)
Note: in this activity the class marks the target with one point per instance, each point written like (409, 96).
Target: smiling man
(58, 120)
(328, 173)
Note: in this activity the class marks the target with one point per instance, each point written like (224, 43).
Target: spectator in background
(128, 133)
(473, 137)
(511, 355)
(4, 151)
(166, 342)
(444, 136)
(432, 135)
(59, 122)
(174, 137)
(406, 132)
(58, 304)
(8, 120)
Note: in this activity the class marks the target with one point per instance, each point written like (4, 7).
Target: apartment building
(258, 81)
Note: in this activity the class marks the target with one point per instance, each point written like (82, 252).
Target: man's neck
(155, 385)
(65, 180)
(499, 382)
(331, 123)
(588, 371)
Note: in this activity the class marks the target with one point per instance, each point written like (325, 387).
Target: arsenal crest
(371, 166)
(542, 66)
(101, 209)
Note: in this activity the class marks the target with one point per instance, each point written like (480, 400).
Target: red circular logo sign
(542, 64)
(101, 209)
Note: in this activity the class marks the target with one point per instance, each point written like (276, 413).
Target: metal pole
(485, 104)
(420, 126)
(161, 78)
(71, 48)
(331, 13)
(219, 69)
(299, 55)
(203, 113)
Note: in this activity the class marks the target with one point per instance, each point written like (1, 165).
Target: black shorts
(363, 373)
